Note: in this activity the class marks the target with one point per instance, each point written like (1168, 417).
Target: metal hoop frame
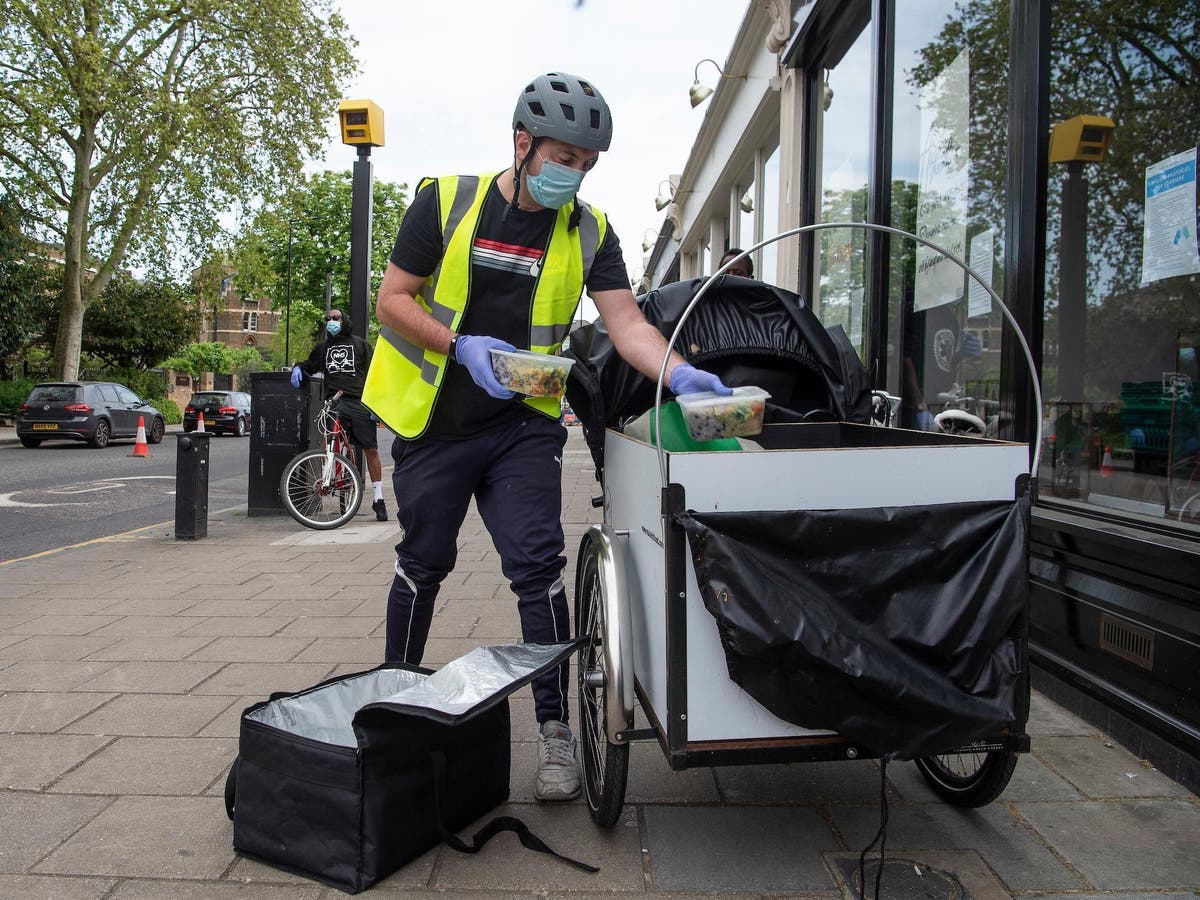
(865, 226)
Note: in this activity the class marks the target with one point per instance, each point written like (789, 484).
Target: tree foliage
(128, 127)
(203, 356)
(24, 284)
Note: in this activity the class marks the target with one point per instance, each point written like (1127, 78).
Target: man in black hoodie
(345, 358)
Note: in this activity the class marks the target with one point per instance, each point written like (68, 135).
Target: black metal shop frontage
(1052, 145)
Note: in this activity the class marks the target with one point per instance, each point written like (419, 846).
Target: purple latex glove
(687, 379)
(473, 352)
(297, 376)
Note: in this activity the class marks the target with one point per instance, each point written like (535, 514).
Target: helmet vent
(560, 86)
(587, 89)
(568, 111)
(536, 108)
(594, 118)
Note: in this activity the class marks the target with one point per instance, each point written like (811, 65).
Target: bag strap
(528, 839)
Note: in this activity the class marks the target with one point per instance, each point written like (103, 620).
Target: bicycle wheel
(316, 501)
(968, 780)
(605, 765)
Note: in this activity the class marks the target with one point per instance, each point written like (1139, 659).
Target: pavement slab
(171, 766)
(150, 715)
(236, 626)
(39, 712)
(252, 649)
(46, 887)
(703, 848)
(32, 762)
(41, 675)
(34, 824)
(1102, 768)
(152, 677)
(239, 679)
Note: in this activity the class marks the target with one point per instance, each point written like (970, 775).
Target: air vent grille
(1131, 643)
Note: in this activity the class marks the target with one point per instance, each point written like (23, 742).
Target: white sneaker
(558, 771)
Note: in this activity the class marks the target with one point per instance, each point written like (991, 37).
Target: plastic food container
(531, 374)
(710, 416)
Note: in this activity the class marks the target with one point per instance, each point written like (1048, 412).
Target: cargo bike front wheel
(968, 779)
(603, 673)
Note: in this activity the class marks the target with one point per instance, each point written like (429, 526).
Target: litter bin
(191, 486)
(280, 427)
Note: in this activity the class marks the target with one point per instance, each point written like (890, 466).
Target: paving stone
(150, 715)
(161, 648)
(236, 626)
(47, 887)
(327, 627)
(1102, 771)
(174, 837)
(216, 890)
(7, 640)
(152, 677)
(228, 723)
(252, 649)
(366, 650)
(1133, 845)
(652, 780)
(1031, 780)
(502, 866)
(64, 647)
(1018, 857)
(294, 608)
(45, 712)
(798, 784)
(137, 765)
(1048, 718)
(34, 824)
(737, 848)
(148, 606)
(498, 628)
(222, 592)
(144, 626)
(241, 679)
(210, 608)
(63, 625)
(32, 761)
(38, 675)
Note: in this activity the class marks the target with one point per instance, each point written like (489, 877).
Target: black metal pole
(1072, 284)
(360, 240)
(287, 334)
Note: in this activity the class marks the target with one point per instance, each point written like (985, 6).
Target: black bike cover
(745, 331)
(900, 628)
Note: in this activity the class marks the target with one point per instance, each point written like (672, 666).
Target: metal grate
(1130, 642)
(904, 879)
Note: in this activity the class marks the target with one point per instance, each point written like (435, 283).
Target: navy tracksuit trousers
(515, 476)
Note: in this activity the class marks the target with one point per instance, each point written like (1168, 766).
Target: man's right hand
(297, 376)
(473, 352)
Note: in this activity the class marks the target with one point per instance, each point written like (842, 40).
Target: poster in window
(1169, 232)
(942, 184)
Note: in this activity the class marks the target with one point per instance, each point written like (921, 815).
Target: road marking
(6, 500)
(108, 538)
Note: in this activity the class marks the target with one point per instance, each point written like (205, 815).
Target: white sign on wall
(1169, 232)
(942, 184)
(983, 247)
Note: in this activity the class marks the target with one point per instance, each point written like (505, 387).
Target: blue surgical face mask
(333, 327)
(555, 185)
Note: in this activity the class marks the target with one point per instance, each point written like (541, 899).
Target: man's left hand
(687, 379)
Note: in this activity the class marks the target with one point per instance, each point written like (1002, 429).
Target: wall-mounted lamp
(647, 241)
(699, 92)
(664, 198)
(826, 93)
(746, 203)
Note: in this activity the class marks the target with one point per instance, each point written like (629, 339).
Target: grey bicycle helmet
(565, 107)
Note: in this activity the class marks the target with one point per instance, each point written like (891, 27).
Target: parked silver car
(92, 411)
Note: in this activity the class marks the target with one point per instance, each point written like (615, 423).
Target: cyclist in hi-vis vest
(500, 261)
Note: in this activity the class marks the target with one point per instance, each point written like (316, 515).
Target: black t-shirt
(344, 360)
(504, 262)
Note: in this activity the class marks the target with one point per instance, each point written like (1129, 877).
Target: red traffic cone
(1106, 469)
(200, 421)
(140, 447)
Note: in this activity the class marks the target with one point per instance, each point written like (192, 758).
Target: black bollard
(191, 486)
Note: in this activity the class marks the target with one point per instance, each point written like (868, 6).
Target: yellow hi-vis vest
(404, 379)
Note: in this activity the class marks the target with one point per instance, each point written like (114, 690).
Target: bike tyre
(968, 780)
(297, 481)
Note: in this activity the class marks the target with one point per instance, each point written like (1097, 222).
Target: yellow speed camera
(362, 122)
(1082, 138)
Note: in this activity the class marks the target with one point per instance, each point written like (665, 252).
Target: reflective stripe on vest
(404, 379)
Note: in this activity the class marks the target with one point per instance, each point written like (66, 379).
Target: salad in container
(531, 374)
(710, 416)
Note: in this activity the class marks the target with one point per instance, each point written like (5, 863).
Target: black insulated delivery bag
(350, 779)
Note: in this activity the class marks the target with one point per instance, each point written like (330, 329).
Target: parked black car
(225, 412)
(92, 411)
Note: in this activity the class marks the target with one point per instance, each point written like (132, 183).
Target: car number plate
(45, 426)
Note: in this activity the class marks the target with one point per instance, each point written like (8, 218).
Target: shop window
(1122, 292)
(948, 185)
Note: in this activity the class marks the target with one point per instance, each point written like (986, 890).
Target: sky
(447, 76)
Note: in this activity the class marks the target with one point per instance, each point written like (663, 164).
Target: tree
(130, 127)
(205, 356)
(314, 218)
(24, 285)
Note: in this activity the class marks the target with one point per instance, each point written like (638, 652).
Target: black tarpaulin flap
(899, 628)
